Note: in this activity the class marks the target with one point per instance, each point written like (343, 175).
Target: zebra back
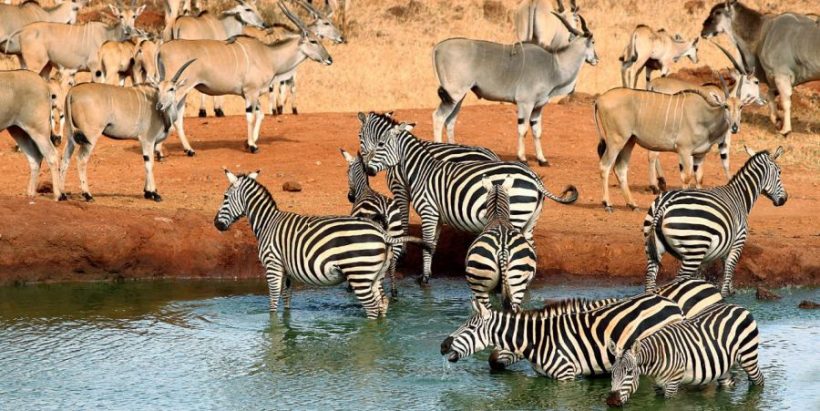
(693, 296)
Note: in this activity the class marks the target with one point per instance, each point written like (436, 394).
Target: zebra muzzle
(371, 171)
(614, 400)
(220, 225)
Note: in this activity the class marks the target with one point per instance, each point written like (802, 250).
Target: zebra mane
(253, 184)
(564, 306)
(747, 165)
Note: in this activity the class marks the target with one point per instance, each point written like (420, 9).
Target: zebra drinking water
(370, 204)
(701, 226)
(500, 256)
(565, 346)
(696, 351)
(451, 193)
(314, 250)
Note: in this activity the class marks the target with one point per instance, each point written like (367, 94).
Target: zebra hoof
(496, 365)
(394, 293)
(424, 281)
(349, 288)
(190, 153)
(543, 163)
(62, 197)
(294, 111)
(661, 184)
(202, 113)
(88, 198)
(219, 113)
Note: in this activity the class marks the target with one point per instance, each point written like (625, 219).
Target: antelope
(322, 27)
(524, 74)
(14, 18)
(218, 62)
(206, 26)
(687, 123)
(72, 46)
(117, 61)
(173, 9)
(535, 23)
(144, 112)
(28, 123)
(145, 60)
(653, 50)
(746, 85)
(781, 50)
(58, 87)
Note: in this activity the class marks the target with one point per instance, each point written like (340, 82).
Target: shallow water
(210, 344)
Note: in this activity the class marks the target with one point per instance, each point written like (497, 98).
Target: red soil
(122, 235)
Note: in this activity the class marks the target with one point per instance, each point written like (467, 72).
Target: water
(213, 345)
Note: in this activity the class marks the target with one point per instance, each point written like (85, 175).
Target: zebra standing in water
(692, 296)
(500, 256)
(565, 346)
(451, 193)
(696, 351)
(313, 250)
(700, 226)
(369, 203)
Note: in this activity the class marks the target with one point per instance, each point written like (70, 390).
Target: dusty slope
(123, 235)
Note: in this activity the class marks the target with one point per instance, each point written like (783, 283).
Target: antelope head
(719, 20)
(584, 35)
(126, 18)
(309, 43)
(169, 94)
(322, 24)
(247, 13)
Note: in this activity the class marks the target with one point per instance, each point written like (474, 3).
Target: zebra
(565, 346)
(696, 351)
(500, 256)
(692, 296)
(700, 226)
(313, 250)
(371, 204)
(375, 125)
(451, 193)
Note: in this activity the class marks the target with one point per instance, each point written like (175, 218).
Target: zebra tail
(651, 239)
(408, 239)
(568, 196)
(506, 292)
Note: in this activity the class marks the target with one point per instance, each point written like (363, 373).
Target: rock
(494, 11)
(766, 294)
(808, 305)
(292, 186)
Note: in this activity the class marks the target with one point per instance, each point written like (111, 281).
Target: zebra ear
(407, 126)
(350, 159)
(486, 183)
(389, 114)
(508, 183)
(749, 151)
(613, 348)
(636, 346)
(253, 175)
(777, 153)
(362, 117)
(231, 177)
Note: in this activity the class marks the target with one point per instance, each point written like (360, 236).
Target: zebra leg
(726, 380)
(524, 113)
(653, 262)
(365, 287)
(671, 388)
(697, 164)
(723, 147)
(287, 292)
(274, 275)
(394, 290)
(729, 266)
(430, 231)
(747, 358)
(501, 359)
(535, 124)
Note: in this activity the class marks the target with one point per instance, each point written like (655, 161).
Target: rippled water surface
(207, 345)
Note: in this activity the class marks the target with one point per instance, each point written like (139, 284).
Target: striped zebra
(696, 351)
(566, 346)
(701, 226)
(500, 255)
(452, 193)
(312, 250)
(375, 125)
(369, 203)
(692, 296)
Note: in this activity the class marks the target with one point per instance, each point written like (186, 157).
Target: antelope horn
(181, 69)
(566, 24)
(160, 68)
(310, 9)
(292, 17)
(584, 26)
(560, 6)
(572, 5)
(738, 67)
(723, 85)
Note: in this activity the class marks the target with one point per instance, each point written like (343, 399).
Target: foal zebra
(370, 204)
(565, 346)
(700, 226)
(500, 256)
(451, 193)
(313, 250)
(692, 296)
(696, 351)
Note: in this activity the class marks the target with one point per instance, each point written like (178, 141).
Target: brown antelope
(117, 61)
(206, 26)
(173, 9)
(535, 23)
(653, 50)
(72, 46)
(145, 60)
(215, 72)
(58, 86)
(746, 85)
(28, 123)
(687, 123)
(14, 18)
(144, 112)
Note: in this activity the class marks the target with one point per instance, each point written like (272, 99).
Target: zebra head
(234, 205)
(771, 184)
(625, 376)
(374, 125)
(356, 177)
(386, 154)
(471, 337)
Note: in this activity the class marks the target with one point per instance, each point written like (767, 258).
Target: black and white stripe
(701, 226)
(312, 250)
(564, 346)
(452, 193)
(370, 204)
(696, 351)
(500, 256)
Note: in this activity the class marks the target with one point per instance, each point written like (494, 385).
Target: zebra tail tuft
(568, 196)
(445, 96)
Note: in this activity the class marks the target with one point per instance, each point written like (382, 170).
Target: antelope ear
(139, 11)
(231, 177)
(362, 117)
(114, 10)
(253, 175)
(329, 15)
(778, 153)
(749, 151)
(508, 183)
(350, 159)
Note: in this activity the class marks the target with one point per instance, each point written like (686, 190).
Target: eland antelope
(58, 86)
(28, 123)
(72, 46)
(207, 26)
(14, 18)
(118, 60)
(781, 50)
(653, 50)
(145, 60)
(535, 23)
(687, 123)
(173, 9)
(144, 112)
(218, 62)
(524, 74)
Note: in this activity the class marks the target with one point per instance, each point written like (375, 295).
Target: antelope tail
(9, 38)
(631, 55)
(601, 137)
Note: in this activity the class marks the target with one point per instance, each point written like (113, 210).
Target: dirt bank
(123, 235)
